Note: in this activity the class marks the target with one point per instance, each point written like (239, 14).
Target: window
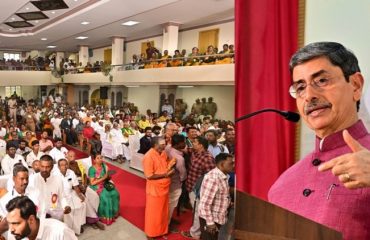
(14, 56)
(9, 91)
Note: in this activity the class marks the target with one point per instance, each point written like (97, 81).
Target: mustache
(314, 105)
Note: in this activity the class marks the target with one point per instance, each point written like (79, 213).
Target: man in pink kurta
(327, 86)
(157, 170)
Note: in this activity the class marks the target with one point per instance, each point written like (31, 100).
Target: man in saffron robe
(157, 170)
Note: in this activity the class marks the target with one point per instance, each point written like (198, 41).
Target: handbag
(109, 185)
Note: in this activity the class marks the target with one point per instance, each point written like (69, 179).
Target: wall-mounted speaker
(103, 92)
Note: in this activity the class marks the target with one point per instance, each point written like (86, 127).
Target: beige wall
(144, 97)
(98, 54)
(223, 96)
(135, 47)
(189, 39)
(147, 97)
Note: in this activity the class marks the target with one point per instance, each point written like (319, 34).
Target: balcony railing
(197, 60)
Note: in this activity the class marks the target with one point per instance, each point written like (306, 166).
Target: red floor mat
(132, 204)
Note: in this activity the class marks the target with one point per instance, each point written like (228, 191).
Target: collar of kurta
(336, 140)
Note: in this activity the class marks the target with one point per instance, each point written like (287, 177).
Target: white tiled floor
(121, 229)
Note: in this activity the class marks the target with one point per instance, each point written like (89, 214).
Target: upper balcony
(213, 74)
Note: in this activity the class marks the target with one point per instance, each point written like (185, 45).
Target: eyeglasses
(298, 89)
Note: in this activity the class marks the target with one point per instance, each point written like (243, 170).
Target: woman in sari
(108, 209)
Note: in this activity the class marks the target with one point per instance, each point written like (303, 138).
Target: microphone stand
(291, 116)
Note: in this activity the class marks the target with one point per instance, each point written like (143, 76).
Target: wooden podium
(256, 219)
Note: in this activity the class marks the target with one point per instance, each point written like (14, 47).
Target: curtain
(266, 37)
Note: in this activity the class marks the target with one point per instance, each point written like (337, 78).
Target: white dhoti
(117, 149)
(126, 152)
(92, 203)
(57, 133)
(77, 217)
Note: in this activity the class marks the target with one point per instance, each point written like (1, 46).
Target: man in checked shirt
(202, 162)
(215, 197)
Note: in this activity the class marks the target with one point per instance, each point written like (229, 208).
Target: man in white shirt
(10, 159)
(2, 130)
(100, 128)
(20, 183)
(92, 199)
(2, 148)
(167, 107)
(58, 152)
(23, 150)
(94, 123)
(24, 223)
(35, 154)
(82, 112)
(51, 188)
(74, 197)
(56, 121)
(215, 147)
(12, 104)
(120, 151)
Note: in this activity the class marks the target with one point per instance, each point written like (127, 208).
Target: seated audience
(58, 152)
(24, 223)
(74, 197)
(10, 159)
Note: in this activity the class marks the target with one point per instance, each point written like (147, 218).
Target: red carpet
(132, 204)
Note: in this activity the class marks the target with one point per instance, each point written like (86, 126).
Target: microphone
(290, 116)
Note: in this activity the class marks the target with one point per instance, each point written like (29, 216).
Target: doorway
(206, 38)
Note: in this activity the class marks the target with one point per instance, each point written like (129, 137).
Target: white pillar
(170, 37)
(58, 59)
(83, 55)
(117, 50)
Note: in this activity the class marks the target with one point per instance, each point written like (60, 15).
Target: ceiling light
(53, 12)
(81, 37)
(10, 29)
(27, 8)
(13, 19)
(51, 46)
(85, 23)
(130, 23)
(44, 39)
(37, 21)
(185, 86)
(132, 86)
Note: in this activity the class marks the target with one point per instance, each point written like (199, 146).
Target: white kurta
(117, 140)
(57, 154)
(53, 186)
(52, 229)
(56, 125)
(7, 163)
(2, 148)
(31, 157)
(77, 217)
(31, 194)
